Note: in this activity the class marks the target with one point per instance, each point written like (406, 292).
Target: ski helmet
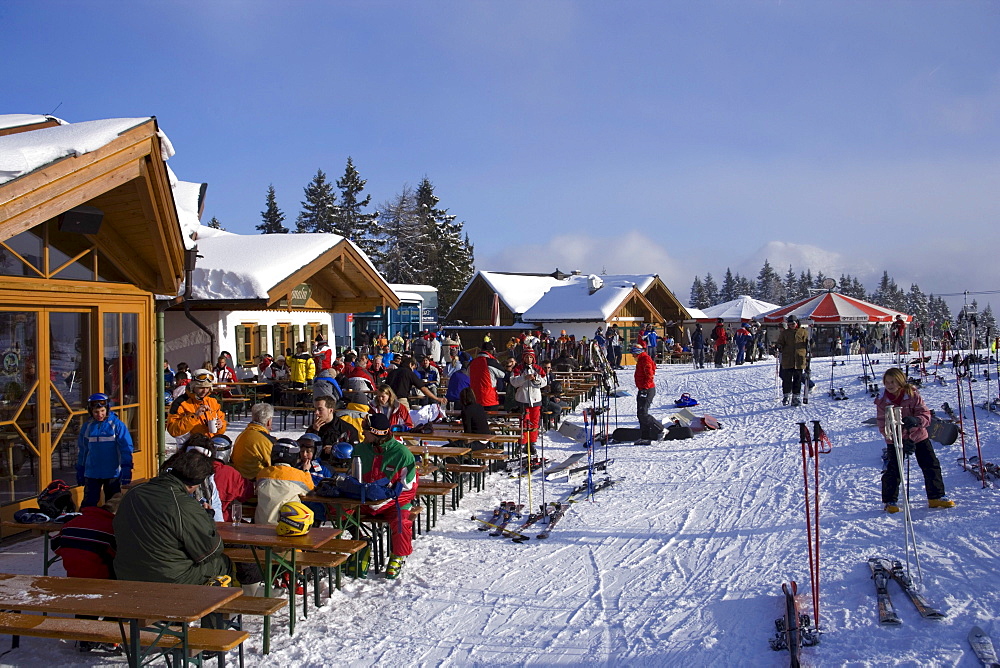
(98, 399)
(285, 451)
(295, 519)
(223, 447)
(343, 450)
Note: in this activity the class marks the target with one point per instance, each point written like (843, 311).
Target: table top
(440, 450)
(247, 383)
(266, 535)
(460, 435)
(43, 527)
(112, 598)
(339, 501)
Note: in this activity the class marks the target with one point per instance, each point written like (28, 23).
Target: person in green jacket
(164, 533)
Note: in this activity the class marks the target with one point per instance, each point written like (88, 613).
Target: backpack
(56, 499)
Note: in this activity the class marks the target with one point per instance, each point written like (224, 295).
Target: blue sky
(674, 137)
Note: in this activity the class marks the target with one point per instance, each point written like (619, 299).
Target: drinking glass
(236, 512)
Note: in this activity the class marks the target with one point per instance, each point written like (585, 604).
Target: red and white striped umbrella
(833, 308)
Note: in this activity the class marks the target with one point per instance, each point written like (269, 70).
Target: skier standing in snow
(698, 345)
(529, 379)
(742, 339)
(719, 340)
(916, 417)
(650, 428)
(794, 345)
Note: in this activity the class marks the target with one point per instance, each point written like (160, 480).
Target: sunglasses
(99, 404)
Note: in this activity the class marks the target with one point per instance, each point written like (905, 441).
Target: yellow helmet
(295, 519)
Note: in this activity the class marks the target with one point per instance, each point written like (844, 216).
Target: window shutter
(261, 339)
(295, 337)
(276, 341)
(325, 331)
(309, 333)
(241, 345)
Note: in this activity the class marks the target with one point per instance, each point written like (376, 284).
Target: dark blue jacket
(457, 382)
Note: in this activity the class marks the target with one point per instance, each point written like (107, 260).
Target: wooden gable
(342, 281)
(127, 180)
(475, 305)
(665, 302)
(636, 308)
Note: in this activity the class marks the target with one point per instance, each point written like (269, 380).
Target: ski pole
(975, 428)
(961, 412)
(805, 444)
(893, 415)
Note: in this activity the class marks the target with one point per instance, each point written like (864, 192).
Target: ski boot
(943, 502)
(395, 567)
(796, 400)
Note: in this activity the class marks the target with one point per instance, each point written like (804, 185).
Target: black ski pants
(649, 427)
(791, 381)
(928, 463)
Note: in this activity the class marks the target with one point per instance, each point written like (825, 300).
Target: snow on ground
(680, 563)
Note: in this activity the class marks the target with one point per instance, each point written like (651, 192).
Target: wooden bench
(328, 561)
(382, 538)
(302, 411)
(437, 489)
(92, 630)
(255, 606)
(476, 473)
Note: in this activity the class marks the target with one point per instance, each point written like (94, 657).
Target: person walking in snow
(650, 428)
(916, 417)
(794, 345)
(698, 346)
(742, 339)
(719, 340)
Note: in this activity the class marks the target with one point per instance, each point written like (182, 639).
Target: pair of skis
(795, 629)
(883, 570)
(503, 515)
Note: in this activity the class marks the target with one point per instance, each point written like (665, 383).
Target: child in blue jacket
(104, 459)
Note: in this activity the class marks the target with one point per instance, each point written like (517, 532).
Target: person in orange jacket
(196, 412)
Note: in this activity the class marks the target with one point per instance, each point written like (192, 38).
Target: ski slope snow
(679, 563)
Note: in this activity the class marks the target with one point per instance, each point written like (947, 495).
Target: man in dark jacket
(164, 534)
(698, 345)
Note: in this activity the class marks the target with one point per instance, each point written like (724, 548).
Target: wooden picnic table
(145, 606)
(275, 562)
(44, 528)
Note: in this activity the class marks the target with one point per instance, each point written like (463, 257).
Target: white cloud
(630, 253)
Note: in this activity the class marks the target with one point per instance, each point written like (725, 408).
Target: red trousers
(400, 528)
(529, 424)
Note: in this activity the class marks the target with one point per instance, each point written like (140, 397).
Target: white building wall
(184, 342)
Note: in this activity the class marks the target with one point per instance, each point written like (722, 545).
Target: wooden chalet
(87, 236)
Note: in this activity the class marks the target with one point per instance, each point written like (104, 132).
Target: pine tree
(319, 209)
(769, 287)
(728, 291)
(215, 224)
(352, 221)
(791, 287)
(447, 257)
(697, 299)
(400, 260)
(805, 285)
(745, 286)
(273, 218)
(987, 324)
(711, 290)
(916, 304)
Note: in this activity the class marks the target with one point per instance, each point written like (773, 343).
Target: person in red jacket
(650, 428)
(87, 542)
(484, 372)
(719, 339)
(229, 483)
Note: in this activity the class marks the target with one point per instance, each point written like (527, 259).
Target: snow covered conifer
(319, 209)
(273, 218)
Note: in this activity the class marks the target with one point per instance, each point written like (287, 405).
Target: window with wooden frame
(248, 348)
(284, 336)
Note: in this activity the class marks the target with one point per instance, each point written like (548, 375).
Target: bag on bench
(352, 488)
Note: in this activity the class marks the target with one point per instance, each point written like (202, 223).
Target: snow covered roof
(21, 120)
(408, 296)
(742, 308)
(577, 299)
(412, 287)
(25, 152)
(187, 200)
(517, 291)
(248, 266)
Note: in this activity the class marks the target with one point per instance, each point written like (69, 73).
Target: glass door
(20, 447)
(69, 353)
